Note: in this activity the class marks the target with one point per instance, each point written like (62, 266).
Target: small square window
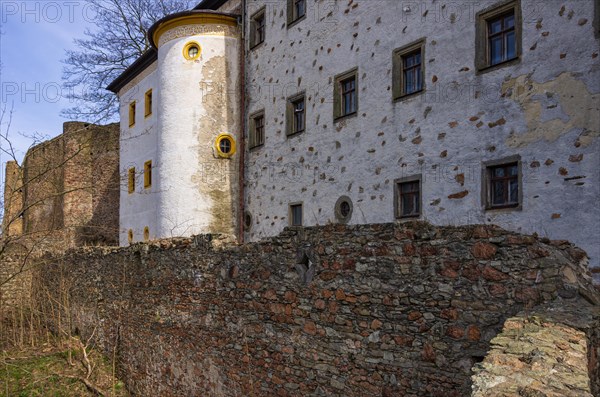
(345, 94)
(131, 180)
(502, 185)
(257, 129)
(296, 9)
(257, 28)
(498, 35)
(148, 103)
(296, 114)
(408, 197)
(296, 214)
(132, 114)
(408, 69)
(147, 174)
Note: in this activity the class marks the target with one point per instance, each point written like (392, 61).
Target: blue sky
(34, 37)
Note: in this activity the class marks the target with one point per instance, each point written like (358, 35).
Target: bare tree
(120, 37)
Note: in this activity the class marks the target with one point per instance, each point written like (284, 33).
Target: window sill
(256, 148)
(406, 97)
(295, 21)
(407, 217)
(147, 115)
(490, 68)
(255, 46)
(505, 208)
(294, 134)
(344, 117)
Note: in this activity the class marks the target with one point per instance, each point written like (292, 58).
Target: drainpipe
(242, 138)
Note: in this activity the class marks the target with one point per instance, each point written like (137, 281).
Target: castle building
(250, 116)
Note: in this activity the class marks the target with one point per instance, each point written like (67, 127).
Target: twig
(91, 387)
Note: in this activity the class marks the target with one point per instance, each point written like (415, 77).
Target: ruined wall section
(70, 189)
(12, 222)
(543, 108)
(551, 351)
(371, 310)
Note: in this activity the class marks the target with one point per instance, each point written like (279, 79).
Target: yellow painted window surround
(146, 233)
(148, 103)
(130, 236)
(131, 180)
(147, 174)
(132, 114)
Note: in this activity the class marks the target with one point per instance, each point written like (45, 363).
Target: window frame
(131, 180)
(487, 179)
(292, 16)
(252, 142)
(417, 178)
(148, 103)
(483, 18)
(291, 213)
(398, 79)
(338, 94)
(148, 174)
(132, 111)
(254, 18)
(291, 119)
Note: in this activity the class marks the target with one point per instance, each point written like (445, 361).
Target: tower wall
(198, 101)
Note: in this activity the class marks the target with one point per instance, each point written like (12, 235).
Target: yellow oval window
(192, 51)
(225, 145)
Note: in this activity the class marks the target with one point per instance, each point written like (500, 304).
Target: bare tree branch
(119, 38)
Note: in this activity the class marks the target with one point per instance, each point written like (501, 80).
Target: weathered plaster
(581, 109)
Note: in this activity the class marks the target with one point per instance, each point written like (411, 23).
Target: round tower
(198, 123)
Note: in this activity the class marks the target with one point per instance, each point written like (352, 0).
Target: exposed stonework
(551, 352)
(371, 310)
(66, 193)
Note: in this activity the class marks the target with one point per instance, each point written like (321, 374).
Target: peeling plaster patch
(581, 107)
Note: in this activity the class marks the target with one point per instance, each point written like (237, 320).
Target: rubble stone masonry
(362, 310)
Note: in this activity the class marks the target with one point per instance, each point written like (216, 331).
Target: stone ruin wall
(372, 310)
(65, 194)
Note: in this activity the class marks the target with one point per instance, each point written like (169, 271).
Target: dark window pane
(495, 26)
(296, 211)
(509, 22)
(514, 191)
(418, 83)
(496, 50)
(499, 172)
(408, 82)
(498, 193)
(511, 47)
(407, 205)
(513, 170)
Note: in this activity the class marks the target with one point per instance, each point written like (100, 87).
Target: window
(502, 184)
(343, 209)
(296, 114)
(345, 98)
(192, 51)
(498, 35)
(407, 196)
(408, 69)
(296, 214)
(147, 174)
(257, 129)
(131, 180)
(257, 28)
(225, 146)
(148, 103)
(132, 114)
(146, 233)
(130, 236)
(296, 10)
